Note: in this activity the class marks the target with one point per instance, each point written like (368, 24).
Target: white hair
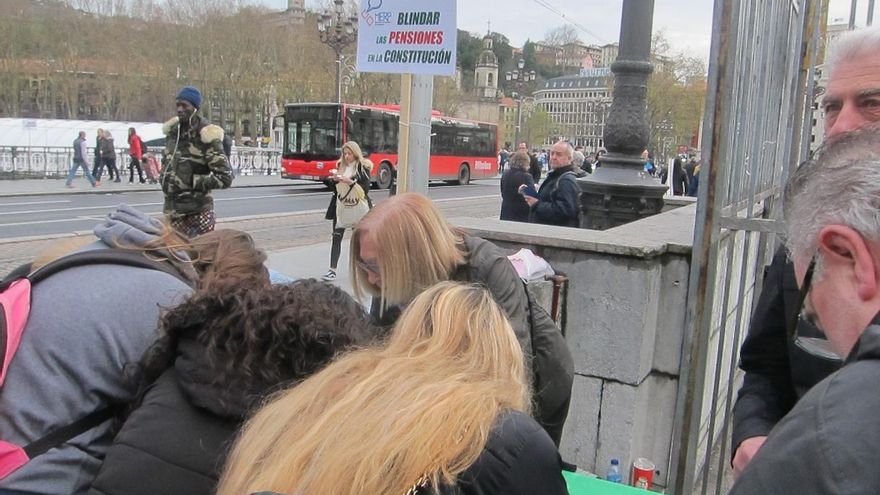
(840, 185)
(851, 46)
(577, 159)
(568, 147)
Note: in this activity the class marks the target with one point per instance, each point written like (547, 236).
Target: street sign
(407, 37)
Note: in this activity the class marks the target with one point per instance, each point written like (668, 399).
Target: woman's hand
(344, 179)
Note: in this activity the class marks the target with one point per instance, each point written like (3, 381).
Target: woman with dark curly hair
(222, 352)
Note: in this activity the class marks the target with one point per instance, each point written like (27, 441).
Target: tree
(676, 95)
(537, 127)
(562, 35)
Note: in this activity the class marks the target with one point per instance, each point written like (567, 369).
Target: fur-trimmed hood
(207, 134)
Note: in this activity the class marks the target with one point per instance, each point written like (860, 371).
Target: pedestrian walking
(79, 154)
(108, 156)
(193, 165)
(352, 187)
(98, 165)
(136, 152)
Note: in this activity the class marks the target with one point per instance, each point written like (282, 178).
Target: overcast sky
(687, 23)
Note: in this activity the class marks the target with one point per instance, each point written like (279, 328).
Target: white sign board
(407, 36)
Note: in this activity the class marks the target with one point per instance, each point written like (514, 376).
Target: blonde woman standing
(432, 411)
(352, 179)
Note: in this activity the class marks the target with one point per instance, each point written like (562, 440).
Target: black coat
(558, 199)
(518, 459)
(176, 442)
(513, 206)
(777, 373)
(535, 168)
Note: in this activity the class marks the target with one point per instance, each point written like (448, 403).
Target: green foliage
(537, 127)
(676, 95)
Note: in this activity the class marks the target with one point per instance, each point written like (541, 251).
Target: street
(27, 216)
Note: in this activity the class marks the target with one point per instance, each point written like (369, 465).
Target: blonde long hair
(417, 245)
(379, 419)
(358, 157)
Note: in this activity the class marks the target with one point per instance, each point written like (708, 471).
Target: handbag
(349, 211)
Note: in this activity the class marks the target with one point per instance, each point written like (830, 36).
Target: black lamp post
(337, 30)
(519, 78)
(620, 191)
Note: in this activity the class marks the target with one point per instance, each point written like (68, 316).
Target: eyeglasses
(371, 266)
(815, 346)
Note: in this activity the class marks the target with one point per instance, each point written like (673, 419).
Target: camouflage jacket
(193, 163)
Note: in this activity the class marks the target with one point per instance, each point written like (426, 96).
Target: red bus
(315, 132)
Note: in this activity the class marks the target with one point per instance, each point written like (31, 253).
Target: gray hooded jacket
(87, 327)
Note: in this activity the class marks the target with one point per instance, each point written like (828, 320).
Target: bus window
(313, 131)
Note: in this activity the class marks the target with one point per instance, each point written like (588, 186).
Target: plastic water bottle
(614, 475)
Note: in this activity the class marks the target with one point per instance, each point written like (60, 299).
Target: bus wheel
(464, 175)
(384, 176)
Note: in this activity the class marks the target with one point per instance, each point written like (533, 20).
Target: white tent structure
(40, 133)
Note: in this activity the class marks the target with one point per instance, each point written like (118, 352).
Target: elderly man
(777, 372)
(558, 201)
(830, 441)
(193, 164)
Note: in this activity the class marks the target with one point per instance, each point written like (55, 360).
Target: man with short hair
(79, 160)
(778, 373)
(558, 201)
(830, 441)
(193, 164)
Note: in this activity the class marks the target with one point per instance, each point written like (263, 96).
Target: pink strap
(16, 302)
(12, 457)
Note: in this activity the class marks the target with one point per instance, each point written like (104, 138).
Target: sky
(686, 23)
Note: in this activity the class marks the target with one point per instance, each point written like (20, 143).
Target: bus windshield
(312, 131)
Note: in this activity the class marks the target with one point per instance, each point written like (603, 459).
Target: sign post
(416, 38)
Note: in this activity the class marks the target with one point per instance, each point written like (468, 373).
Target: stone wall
(625, 315)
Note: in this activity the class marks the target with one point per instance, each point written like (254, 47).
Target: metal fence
(754, 117)
(20, 162)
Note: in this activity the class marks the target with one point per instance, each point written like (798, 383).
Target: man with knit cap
(193, 164)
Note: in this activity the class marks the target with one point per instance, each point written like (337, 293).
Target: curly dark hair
(262, 337)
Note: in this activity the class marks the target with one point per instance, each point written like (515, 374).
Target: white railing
(47, 162)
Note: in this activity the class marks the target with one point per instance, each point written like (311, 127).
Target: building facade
(578, 106)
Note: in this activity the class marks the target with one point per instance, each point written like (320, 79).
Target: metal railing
(21, 162)
(754, 115)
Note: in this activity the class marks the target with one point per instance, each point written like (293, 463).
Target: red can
(642, 475)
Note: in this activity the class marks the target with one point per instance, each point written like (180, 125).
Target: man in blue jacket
(558, 201)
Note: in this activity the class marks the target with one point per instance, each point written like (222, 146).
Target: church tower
(486, 73)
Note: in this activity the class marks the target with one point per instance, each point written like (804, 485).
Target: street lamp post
(519, 78)
(337, 30)
(620, 191)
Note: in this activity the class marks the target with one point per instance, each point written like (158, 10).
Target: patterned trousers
(194, 225)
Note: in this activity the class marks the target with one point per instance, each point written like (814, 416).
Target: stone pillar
(620, 191)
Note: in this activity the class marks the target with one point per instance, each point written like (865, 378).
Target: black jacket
(558, 199)
(535, 168)
(777, 372)
(518, 459)
(513, 206)
(176, 442)
(828, 442)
